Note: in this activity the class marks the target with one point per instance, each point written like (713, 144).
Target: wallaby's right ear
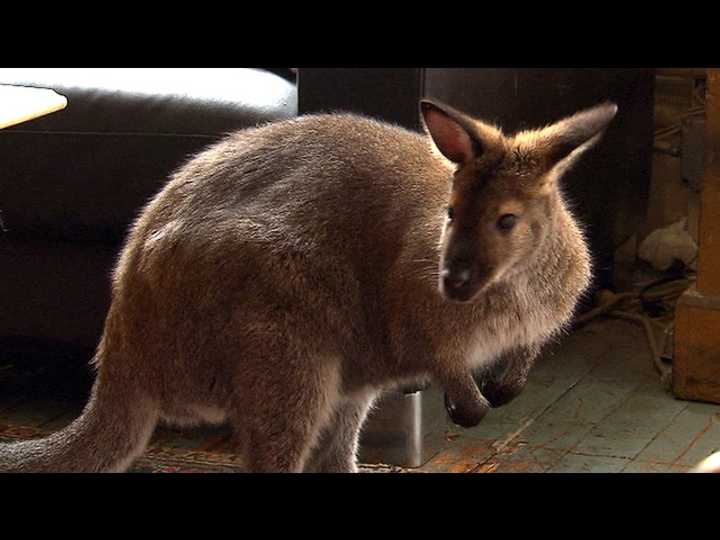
(451, 131)
(577, 133)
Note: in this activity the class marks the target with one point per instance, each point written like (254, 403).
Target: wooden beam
(696, 363)
(709, 226)
(686, 73)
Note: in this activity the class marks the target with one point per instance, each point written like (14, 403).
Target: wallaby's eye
(450, 213)
(506, 222)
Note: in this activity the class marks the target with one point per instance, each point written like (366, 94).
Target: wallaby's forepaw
(466, 414)
(499, 394)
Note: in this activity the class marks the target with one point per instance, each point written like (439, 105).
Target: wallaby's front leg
(463, 400)
(507, 378)
(336, 451)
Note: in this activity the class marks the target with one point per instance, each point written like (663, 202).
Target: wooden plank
(533, 401)
(623, 362)
(460, 457)
(648, 467)
(696, 366)
(688, 73)
(489, 429)
(616, 441)
(650, 406)
(573, 357)
(558, 435)
(708, 282)
(576, 463)
(693, 435)
(589, 401)
(522, 459)
(630, 427)
(539, 448)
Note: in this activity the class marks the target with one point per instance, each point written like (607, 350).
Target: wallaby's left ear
(451, 131)
(576, 134)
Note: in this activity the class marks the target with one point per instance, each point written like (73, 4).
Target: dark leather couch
(73, 181)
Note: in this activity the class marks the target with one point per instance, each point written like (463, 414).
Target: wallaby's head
(505, 194)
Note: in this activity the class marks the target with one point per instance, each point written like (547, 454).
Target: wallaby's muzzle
(462, 283)
(454, 285)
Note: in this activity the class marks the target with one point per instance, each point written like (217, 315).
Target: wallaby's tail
(112, 431)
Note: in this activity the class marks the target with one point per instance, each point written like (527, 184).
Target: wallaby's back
(318, 214)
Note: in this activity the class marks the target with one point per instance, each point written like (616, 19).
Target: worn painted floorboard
(595, 404)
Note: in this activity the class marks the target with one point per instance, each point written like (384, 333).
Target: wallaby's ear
(575, 134)
(451, 131)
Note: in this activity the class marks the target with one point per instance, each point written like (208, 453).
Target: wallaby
(289, 273)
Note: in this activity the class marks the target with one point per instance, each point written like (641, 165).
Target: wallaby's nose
(455, 279)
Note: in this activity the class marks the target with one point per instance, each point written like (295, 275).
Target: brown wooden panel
(696, 365)
(709, 226)
(690, 73)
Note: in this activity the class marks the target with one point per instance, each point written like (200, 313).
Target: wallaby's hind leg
(279, 427)
(337, 448)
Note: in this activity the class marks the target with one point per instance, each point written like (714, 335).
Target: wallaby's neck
(557, 270)
(555, 253)
(560, 266)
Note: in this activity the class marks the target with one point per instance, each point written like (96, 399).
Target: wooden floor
(593, 404)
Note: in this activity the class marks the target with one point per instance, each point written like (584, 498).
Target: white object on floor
(663, 246)
(22, 103)
(709, 465)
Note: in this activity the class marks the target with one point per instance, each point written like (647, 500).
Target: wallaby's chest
(519, 319)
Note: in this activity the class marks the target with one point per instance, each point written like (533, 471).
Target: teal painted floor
(593, 404)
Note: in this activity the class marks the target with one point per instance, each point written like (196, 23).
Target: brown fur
(288, 274)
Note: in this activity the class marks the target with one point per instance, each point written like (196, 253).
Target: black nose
(455, 279)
